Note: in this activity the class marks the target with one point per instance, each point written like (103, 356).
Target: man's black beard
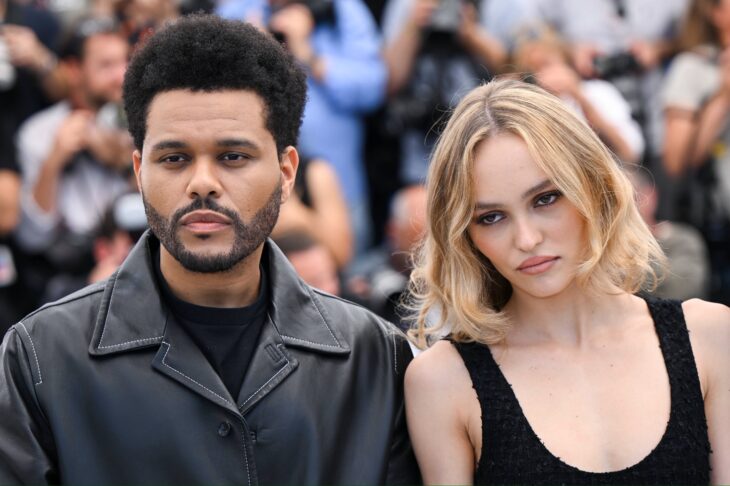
(247, 236)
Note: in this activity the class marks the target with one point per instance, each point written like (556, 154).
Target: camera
(323, 12)
(607, 67)
(447, 16)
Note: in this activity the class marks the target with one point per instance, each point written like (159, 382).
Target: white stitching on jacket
(186, 376)
(321, 316)
(395, 355)
(129, 342)
(40, 376)
(310, 342)
(267, 382)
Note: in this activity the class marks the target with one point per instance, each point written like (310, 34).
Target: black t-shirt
(226, 336)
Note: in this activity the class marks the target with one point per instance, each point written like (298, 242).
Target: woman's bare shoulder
(437, 369)
(708, 320)
(709, 329)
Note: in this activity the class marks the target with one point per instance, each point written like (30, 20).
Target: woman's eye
(547, 199)
(490, 218)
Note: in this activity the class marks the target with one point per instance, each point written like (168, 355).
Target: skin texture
(542, 224)
(213, 151)
(585, 367)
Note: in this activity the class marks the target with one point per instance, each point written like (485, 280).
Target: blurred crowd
(651, 77)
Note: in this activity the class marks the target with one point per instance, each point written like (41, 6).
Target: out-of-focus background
(652, 77)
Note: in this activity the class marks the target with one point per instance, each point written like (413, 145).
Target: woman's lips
(537, 265)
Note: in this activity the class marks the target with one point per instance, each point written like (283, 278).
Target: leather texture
(104, 387)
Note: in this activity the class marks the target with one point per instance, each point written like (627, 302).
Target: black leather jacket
(103, 387)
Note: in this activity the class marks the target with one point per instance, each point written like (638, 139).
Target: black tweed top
(513, 454)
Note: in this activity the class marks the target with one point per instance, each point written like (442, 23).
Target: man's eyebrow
(236, 142)
(169, 144)
(480, 206)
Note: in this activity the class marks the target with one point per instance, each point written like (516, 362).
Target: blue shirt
(354, 83)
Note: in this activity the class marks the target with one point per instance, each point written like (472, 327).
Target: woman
(533, 252)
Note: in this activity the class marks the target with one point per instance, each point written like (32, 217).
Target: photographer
(338, 44)
(696, 102)
(74, 155)
(436, 50)
(624, 42)
(540, 53)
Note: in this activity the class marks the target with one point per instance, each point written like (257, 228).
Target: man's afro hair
(207, 53)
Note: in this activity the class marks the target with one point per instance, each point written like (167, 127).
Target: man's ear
(288, 165)
(137, 164)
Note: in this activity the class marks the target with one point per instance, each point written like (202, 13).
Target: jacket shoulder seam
(66, 300)
(35, 356)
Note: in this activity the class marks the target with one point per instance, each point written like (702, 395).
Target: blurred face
(533, 236)
(210, 176)
(535, 56)
(720, 15)
(316, 267)
(103, 66)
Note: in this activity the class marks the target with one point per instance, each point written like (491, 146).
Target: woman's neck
(574, 317)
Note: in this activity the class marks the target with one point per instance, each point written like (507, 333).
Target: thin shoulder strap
(687, 423)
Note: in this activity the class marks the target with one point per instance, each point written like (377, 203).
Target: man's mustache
(203, 203)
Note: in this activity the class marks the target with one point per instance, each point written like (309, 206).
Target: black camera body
(615, 65)
(446, 19)
(323, 12)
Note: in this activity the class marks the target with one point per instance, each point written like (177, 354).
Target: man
(74, 157)
(205, 359)
(338, 44)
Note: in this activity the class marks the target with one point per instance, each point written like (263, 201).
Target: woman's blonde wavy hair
(452, 280)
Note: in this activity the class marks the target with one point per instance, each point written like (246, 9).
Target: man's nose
(204, 180)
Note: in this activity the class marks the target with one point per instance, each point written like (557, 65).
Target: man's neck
(237, 287)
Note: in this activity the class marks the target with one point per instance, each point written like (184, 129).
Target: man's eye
(490, 218)
(235, 157)
(547, 199)
(172, 159)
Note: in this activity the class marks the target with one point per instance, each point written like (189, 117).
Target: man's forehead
(224, 115)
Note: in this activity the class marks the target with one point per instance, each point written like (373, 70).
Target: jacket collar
(132, 314)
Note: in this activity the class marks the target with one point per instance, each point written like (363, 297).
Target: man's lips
(205, 221)
(537, 264)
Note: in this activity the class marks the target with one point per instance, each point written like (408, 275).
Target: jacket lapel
(297, 312)
(132, 316)
(269, 366)
(295, 320)
(181, 360)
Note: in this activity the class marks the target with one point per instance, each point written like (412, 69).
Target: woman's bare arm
(439, 397)
(709, 330)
